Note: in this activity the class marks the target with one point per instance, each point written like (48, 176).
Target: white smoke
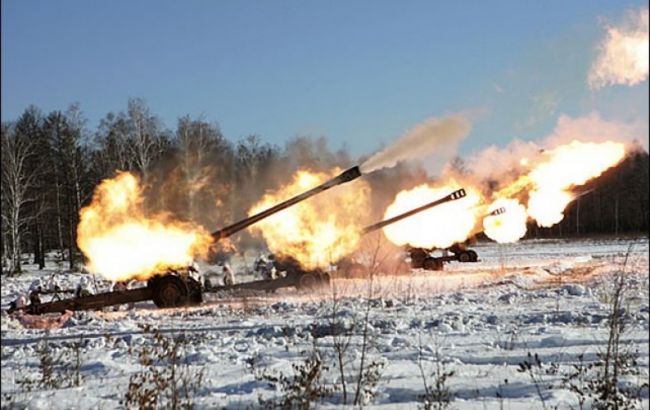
(506, 163)
(593, 128)
(432, 136)
(623, 53)
(496, 163)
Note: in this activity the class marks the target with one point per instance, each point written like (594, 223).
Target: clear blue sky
(358, 72)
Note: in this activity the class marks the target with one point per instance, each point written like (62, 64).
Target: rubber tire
(170, 291)
(464, 257)
(473, 256)
(308, 281)
(432, 264)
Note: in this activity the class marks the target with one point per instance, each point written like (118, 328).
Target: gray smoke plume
(432, 136)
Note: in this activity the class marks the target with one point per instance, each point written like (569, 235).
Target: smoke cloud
(593, 128)
(432, 136)
(623, 53)
(498, 165)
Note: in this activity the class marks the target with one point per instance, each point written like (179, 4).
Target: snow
(548, 297)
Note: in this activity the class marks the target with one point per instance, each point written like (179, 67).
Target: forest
(51, 163)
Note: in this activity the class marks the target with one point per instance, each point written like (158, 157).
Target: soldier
(53, 284)
(20, 302)
(194, 272)
(270, 267)
(260, 266)
(83, 288)
(228, 275)
(34, 290)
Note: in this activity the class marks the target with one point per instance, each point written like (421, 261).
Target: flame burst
(509, 226)
(549, 183)
(121, 243)
(440, 226)
(567, 166)
(317, 231)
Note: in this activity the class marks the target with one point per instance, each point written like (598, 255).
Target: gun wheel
(170, 291)
(308, 281)
(465, 257)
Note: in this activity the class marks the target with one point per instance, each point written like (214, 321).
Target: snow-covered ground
(548, 298)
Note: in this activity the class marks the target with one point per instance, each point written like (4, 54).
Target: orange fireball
(509, 226)
(556, 172)
(439, 227)
(120, 242)
(320, 230)
(565, 167)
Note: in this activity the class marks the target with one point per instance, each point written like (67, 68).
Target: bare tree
(201, 145)
(112, 145)
(67, 159)
(17, 181)
(253, 174)
(144, 138)
(54, 127)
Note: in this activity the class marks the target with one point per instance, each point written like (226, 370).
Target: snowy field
(475, 323)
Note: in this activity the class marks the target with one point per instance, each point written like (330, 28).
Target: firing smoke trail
(623, 53)
(430, 136)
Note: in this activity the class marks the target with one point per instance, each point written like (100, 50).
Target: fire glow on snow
(121, 243)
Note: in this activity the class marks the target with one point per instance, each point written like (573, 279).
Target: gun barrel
(498, 211)
(460, 193)
(345, 176)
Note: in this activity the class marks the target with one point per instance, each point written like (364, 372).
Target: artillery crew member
(83, 288)
(20, 302)
(270, 267)
(34, 290)
(228, 275)
(265, 267)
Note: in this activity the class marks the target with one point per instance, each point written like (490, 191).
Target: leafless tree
(54, 127)
(17, 181)
(341, 339)
(144, 138)
(201, 147)
(112, 145)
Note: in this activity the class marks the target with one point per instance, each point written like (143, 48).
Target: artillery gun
(352, 269)
(422, 258)
(174, 288)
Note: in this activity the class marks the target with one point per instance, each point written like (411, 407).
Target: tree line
(52, 162)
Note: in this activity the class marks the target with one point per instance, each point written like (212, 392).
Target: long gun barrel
(460, 193)
(497, 211)
(345, 176)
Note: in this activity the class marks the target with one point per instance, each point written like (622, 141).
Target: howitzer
(178, 288)
(345, 176)
(460, 193)
(422, 258)
(351, 268)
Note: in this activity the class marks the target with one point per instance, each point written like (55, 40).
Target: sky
(360, 73)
